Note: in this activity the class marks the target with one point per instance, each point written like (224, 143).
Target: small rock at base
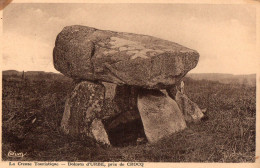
(99, 132)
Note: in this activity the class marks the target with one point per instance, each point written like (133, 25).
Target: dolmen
(125, 85)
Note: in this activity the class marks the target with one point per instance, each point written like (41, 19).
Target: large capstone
(87, 53)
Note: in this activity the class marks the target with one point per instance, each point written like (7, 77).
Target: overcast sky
(224, 35)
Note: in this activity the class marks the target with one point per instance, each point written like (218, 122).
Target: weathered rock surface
(82, 107)
(190, 110)
(126, 97)
(122, 58)
(110, 107)
(160, 115)
(110, 90)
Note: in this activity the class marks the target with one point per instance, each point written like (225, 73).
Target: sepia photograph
(128, 82)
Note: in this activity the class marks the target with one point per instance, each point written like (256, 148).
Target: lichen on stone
(135, 49)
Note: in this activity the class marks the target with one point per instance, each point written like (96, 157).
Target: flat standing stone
(82, 107)
(160, 115)
(87, 53)
(190, 110)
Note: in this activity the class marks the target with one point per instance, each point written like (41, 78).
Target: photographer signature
(15, 154)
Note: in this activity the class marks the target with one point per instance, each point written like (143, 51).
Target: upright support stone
(110, 107)
(172, 91)
(120, 100)
(190, 110)
(160, 114)
(126, 97)
(82, 107)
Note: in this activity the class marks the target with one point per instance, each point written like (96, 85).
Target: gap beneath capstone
(126, 134)
(125, 128)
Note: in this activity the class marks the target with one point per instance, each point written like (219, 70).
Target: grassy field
(32, 111)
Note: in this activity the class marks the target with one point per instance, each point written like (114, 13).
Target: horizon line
(186, 74)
